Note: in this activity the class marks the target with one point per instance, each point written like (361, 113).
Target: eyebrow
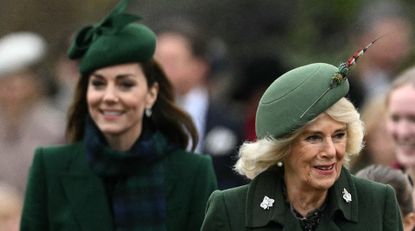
(120, 76)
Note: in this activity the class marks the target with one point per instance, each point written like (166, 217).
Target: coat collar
(269, 183)
(86, 191)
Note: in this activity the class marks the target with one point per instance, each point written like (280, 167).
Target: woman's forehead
(322, 122)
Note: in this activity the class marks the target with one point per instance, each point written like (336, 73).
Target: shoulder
(190, 165)
(377, 205)
(372, 194)
(234, 194)
(189, 158)
(57, 151)
(231, 197)
(366, 187)
(56, 156)
(226, 209)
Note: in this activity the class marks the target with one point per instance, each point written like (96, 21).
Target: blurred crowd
(220, 97)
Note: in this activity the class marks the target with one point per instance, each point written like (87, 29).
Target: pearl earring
(280, 164)
(148, 112)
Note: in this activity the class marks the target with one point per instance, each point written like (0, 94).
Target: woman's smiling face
(317, 155)
(117, 97)
(401, 123)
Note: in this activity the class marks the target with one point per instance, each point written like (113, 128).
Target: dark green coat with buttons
(64, 194)
(373, 207)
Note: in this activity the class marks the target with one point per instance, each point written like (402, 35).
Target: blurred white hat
(19, 50)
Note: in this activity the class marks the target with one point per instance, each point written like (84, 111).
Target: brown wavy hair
(167, 117)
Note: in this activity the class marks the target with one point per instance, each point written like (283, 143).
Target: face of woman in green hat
(316, 156)
(117, 97)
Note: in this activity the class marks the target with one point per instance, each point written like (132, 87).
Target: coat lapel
(269, 183)
(86, 194)
(340, 201)
(172, 168)
(337, 200)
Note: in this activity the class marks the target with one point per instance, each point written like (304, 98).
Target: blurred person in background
(402, 184)
(66, 75)
(126, 166)
(379, 147)
(183, 52)
(400, 106)
(10, 207)
(388, 21)
(27, 117)
(256, 75)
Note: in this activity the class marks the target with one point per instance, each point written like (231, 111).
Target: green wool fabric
(135, 43)
(115, 40)
(297, 97)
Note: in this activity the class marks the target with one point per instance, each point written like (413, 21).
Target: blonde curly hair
(256, 157)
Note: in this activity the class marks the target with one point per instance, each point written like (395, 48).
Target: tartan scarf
(137, 194)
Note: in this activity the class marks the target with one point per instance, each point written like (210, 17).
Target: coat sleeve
(205, 184)
(35, 214)
(392, 216)
(216, 218)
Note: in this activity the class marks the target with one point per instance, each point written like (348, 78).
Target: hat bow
(111, 24)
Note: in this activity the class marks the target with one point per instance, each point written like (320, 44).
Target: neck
(303, 200)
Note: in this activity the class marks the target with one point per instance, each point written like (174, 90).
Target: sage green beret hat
(297, 97)
(115, 40)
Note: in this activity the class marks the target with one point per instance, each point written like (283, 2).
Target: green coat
(64, 194)
(373, 207)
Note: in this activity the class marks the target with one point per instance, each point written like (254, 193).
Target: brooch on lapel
(267, 203)
(346, 196)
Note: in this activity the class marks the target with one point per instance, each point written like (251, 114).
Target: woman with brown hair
(126, 167)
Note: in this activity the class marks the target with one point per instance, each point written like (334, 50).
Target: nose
(110, 95)
(329, 150)
(402, 129)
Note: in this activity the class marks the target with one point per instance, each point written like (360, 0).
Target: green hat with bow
(117, 39)
(300, 95)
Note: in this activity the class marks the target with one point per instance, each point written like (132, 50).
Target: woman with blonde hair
(379, 146)
(306, 133)
(400, 106)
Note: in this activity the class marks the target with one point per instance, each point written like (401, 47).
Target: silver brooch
(267, 203)
(347, 196)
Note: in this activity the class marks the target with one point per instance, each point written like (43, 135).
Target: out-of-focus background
(248, 45)
(299, 31)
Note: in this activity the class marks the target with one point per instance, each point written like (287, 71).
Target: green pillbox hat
(115, 40)
(297, 97)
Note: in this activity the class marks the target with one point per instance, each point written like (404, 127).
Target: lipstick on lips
(326, 169)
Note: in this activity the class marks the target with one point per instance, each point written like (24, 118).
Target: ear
(409, 221)
(152, 95)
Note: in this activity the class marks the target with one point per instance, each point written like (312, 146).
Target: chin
(324, 184)
(327, 185)
(110, 131)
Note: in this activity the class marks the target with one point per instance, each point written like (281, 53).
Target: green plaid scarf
(137, 193)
